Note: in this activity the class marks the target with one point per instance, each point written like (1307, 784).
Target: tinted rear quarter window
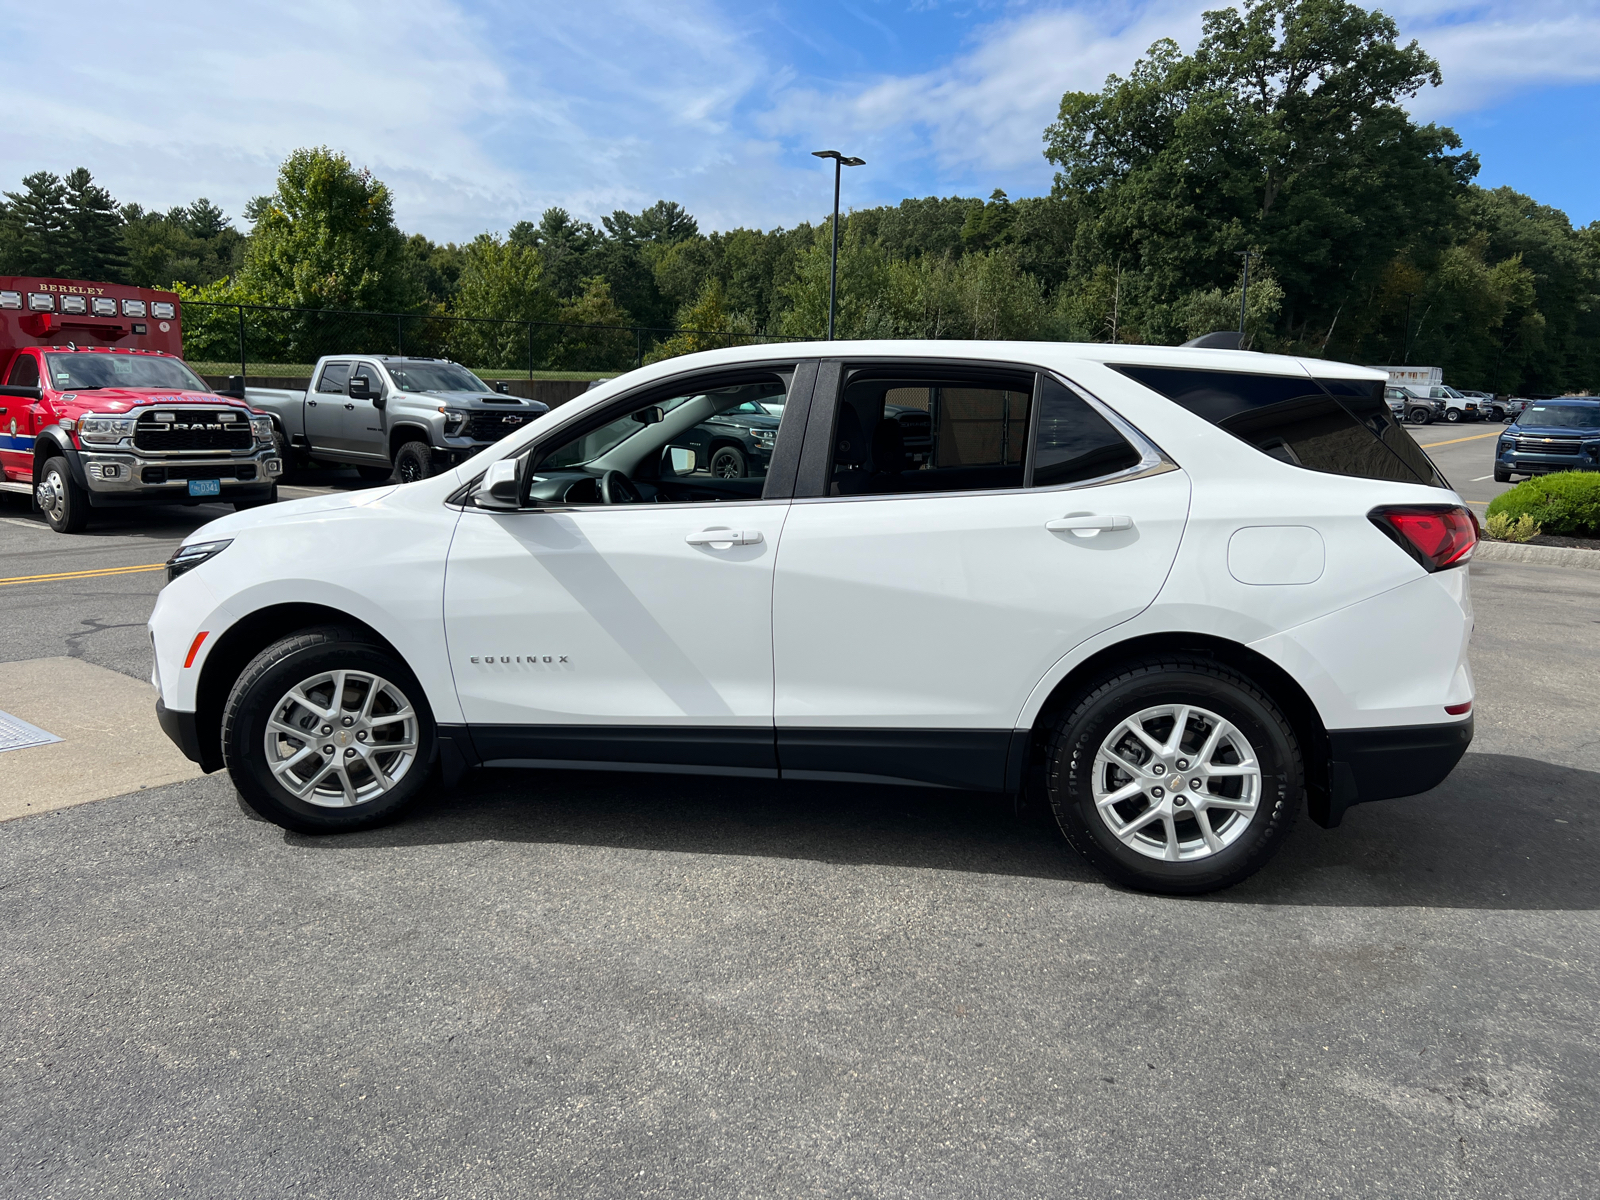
(1341, 427)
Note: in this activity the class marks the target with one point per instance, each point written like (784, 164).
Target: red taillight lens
(1436, 535)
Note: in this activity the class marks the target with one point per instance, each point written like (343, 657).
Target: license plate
(205, 487)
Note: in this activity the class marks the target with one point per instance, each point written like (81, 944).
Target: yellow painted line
(82, 574)
(1474, 438)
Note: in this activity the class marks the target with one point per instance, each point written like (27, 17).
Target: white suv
(1183, 592)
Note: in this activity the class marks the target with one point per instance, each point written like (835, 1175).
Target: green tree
(34, 237)
(326, 238)
(501, 287)
(599, 339)
(1283, 131)
(93, 230)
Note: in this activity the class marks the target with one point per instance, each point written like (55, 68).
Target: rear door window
(1342, 427)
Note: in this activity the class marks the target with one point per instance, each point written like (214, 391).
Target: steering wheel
(617, 488)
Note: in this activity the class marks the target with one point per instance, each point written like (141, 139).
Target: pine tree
(94, 230)
(37, 226)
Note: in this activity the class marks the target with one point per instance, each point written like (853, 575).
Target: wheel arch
(401, 434)
(240, 643)
(1267, 675)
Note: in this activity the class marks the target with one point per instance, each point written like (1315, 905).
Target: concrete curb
(1544, 556)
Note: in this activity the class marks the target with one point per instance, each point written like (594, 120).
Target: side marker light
(194, 648)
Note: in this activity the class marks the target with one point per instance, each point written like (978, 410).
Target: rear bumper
(1385, 764)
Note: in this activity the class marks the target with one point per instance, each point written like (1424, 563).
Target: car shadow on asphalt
(1501, 833)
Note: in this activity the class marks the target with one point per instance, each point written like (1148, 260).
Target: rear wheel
(413, 462)
(325, 732)
(65, 505)
(1176, 776)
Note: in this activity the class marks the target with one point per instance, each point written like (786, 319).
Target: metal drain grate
(17, 734)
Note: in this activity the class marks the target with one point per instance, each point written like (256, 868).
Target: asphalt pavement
(560, 984)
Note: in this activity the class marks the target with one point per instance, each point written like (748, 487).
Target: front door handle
(350, 407)
(1089, 525)
(725, 537)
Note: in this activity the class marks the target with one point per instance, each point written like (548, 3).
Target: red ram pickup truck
(98, 409)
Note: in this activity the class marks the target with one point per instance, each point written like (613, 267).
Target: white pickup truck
(389, 416)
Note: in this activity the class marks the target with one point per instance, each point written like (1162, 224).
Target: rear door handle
(351, 407)
(725, 537)
(1089, 526)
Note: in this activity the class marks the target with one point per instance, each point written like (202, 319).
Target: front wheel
(1453, 415)
(1420, 416)
(65, 505)
(325, 732)
(727, 462)
(414, 462)
(1501, 475)
(1175, 776)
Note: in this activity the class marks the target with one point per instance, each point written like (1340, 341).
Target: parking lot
(594, 985)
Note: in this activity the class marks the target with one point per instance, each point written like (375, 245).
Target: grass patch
(1566, 503)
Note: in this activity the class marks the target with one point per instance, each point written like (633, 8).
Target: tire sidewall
(1070, 767)
(267, 680)
(422, 453)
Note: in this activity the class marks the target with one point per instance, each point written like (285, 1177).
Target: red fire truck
(98, 409)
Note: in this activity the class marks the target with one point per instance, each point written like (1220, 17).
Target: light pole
(1244, 292)
(839, 160)
(1405, 340)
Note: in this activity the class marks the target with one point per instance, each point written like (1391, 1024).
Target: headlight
(187, 558)
(765, 438)
(263, 429)
(105, 430)
(454, 419)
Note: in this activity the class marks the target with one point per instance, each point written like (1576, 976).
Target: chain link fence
(274, 341)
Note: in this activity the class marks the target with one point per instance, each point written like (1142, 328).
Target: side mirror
(360, 387)
(23, 391)
(502, 387)
(649, 416)
(500, 486)
(235, 387)
(681, 459)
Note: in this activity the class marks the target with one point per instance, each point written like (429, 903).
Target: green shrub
(1565, 503)
(1505, 528)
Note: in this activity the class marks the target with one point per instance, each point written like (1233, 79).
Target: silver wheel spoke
(1137, 729)
(1208, 801)
(391, 718)
(288, 764)
(288, 730)
(1171, 827)
(1126, 792)
(1180, 726)
(1213, 842)
(1231, 770)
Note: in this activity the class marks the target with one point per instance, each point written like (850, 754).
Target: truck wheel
(1419, 416)
(1501, 475)
(727, 462)
(325, 732)
(1175, 775)
(414, 462)
(1453, 415)
(271, 498)
(64, 504)
(375, 474)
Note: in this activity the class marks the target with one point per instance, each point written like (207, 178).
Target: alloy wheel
(341, 738)
(1176, 782)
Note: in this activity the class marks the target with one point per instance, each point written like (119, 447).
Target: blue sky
(481, 112)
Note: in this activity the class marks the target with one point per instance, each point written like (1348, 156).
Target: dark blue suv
(1550, 435)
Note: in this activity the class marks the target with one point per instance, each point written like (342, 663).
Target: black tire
(270, 498)
(1501, 475)
(1452, 415)
(65, 504)
(413, 462)
(728, 462)
(1077, 738)
(296, 660)
(1419, 416)
(377, 474)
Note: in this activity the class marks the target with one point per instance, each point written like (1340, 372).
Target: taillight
(1436, 535)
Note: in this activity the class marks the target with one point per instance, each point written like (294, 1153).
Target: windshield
(1562, 416)
(435, 377)
(87, 371)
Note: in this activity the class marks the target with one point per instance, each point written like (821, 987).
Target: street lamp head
(842, 159)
